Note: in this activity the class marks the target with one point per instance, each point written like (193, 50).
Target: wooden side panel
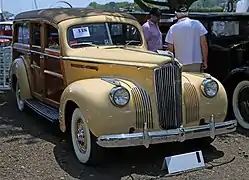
(54, 83)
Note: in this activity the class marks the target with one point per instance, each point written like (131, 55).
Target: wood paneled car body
(90, 71)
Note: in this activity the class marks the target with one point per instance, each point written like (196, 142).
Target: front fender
(241, 70)
(207, 106)
(18, 69)
(92, 97)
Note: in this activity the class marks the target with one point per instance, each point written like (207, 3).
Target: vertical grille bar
(191, 103)
(143, 107)
(169, 95)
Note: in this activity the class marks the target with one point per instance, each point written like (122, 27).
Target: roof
(6, 22)
(57, 15)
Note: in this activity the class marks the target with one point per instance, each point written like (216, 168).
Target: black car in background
(228, 60)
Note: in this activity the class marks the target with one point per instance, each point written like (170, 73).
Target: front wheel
(240, 103)
(84, 144)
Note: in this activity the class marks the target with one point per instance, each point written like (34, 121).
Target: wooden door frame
(53, 53)
(39, 51)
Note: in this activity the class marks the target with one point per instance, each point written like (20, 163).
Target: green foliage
(213, 9)
(116, 6)
(207, 4)
(198, 6)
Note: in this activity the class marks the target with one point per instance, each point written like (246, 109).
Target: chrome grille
(191, 103)
(143, 107)
(169, 95)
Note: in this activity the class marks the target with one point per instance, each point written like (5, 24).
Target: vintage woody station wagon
(90, 70)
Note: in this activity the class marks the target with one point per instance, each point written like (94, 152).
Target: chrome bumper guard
(173, 135)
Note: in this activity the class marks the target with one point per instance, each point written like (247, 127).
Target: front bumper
(173, 135)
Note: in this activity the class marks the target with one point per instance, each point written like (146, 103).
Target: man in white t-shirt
(187, 40)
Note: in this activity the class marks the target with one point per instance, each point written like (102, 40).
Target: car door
(36, 59)
(53, 70)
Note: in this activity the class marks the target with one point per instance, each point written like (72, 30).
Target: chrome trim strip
(173, 135)
(37, 52)
(143, 108)
(168, 94)
(109, 33)
(51, 73)
(191, 101)
(118, 63)
(6, 37)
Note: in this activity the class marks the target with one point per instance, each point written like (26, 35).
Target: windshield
(225, 28)
(103, 34)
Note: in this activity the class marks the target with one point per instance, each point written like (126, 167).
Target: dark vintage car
(228, 60)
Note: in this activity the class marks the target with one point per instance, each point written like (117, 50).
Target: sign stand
(183, 162)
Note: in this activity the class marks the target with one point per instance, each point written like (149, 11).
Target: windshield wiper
(131, 41)
(84, 44)
(122, 46)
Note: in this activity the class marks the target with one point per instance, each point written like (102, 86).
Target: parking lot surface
(33, 148)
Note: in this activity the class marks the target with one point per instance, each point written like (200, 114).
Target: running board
(50, 113)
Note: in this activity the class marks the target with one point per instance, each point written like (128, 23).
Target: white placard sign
(81, 32)
(183, 162)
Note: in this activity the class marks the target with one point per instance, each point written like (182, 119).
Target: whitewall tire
(240, 103)
(20, 103)
(85, 147)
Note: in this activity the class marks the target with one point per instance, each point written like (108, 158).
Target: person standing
(152, 33)
(187, 40)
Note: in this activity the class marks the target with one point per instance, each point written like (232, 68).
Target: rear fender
(18, 69)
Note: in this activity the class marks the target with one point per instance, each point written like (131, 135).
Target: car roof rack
(63, 2)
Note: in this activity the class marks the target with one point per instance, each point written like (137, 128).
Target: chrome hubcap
(80, 135)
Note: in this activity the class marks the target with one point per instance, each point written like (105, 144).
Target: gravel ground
(32, 148)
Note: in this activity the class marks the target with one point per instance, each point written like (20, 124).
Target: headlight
(209, 87)
(119, 96)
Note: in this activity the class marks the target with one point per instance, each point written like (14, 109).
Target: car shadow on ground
(117, 162)
(128, 161)
(242, 131)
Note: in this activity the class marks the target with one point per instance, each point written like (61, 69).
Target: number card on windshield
(81, 32)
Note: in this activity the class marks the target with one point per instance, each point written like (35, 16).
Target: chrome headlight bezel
(204, 85)
(113, 93)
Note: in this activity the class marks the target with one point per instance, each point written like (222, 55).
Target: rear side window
(23, 33)
(36, 32)
(52, 37)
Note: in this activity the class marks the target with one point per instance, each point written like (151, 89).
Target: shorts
(196, 67)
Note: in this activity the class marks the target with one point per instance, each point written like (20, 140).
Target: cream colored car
(90, 70)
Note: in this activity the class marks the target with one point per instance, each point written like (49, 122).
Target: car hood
(119, 55)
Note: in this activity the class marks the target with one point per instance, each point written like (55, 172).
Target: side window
(20, 34)
(36, 32)
(225, 28)
(132, 33)
(23, 33)
(123, 33)
(52, 37)
(26, 35)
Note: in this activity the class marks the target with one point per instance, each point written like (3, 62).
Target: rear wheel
(240, 103)
(84, 143)
(19, 102)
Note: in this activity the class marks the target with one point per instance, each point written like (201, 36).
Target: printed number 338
(82, 30)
